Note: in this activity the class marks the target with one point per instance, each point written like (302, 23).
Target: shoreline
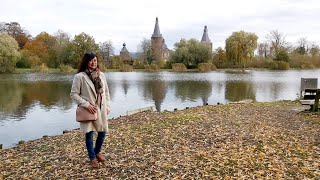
(57, 71)
(241, 140)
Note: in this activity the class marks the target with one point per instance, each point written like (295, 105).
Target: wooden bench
(311, 97)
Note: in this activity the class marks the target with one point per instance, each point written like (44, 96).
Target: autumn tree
(16, 31)
(190, 53)
(9, 53)
(219, 57)
(49, 42)
(240, 47)
(35, 53)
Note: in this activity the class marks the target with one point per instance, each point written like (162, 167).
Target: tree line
(18, 49)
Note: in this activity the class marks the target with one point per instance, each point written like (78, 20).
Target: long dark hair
(85, 61)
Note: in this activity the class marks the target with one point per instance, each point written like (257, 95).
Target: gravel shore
(249, 141)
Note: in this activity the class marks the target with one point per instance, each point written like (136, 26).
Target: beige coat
(83, 93)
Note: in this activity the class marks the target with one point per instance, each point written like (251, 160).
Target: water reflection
(17, 97)
(155, 90)
(193, 90)
(125, 85)
(239, 90)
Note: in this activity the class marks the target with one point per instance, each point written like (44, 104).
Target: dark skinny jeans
(89, 143)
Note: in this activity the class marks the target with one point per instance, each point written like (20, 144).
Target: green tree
(190, 53)
(240, 47)
(282, 55)
(9, 53)
(107, 50)
(61, 47)
(81, 43)
(116, 62)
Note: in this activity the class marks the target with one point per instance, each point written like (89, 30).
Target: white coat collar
(90, 83)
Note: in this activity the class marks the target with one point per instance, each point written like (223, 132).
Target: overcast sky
(130, 21)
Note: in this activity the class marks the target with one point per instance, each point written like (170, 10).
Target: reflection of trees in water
(239, 90)
(10, 96)
(193, 90)
(16, 98)
(48, 94)
(155, 90)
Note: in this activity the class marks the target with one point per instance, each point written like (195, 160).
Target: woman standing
(90, 90)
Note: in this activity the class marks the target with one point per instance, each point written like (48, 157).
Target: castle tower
(205, 38)
(125, 55)
(156, 43)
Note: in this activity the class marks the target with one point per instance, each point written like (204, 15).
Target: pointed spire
(156, 32)
(124, 49)
(205, 37)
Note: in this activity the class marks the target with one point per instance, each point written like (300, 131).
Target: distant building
(165, 51)
(159, 48)
(205, 38)
(125, 55)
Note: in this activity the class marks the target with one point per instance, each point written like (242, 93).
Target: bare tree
(303, 46)
(144, 50)
(277, 41)
(263, 49)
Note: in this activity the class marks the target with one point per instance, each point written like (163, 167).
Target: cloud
(131, 21)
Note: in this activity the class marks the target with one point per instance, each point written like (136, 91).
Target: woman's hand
(92, 109)
(108, 110)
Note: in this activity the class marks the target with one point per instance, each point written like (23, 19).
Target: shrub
(152, 67)
(43, 68)
(126, 68)
(161, 64)
(178, 67)
(206, 67)
(23, 63)
(307, 65)
(138, 64)
(65, 68)
(278, 65)
(282, 55)
(304, 62)
(283, 65)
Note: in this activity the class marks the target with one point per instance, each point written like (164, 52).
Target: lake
(35, 104)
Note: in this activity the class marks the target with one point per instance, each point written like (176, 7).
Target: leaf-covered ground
(245, 141)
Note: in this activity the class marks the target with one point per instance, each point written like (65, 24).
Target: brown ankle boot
(100, 158)
(94, 163)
